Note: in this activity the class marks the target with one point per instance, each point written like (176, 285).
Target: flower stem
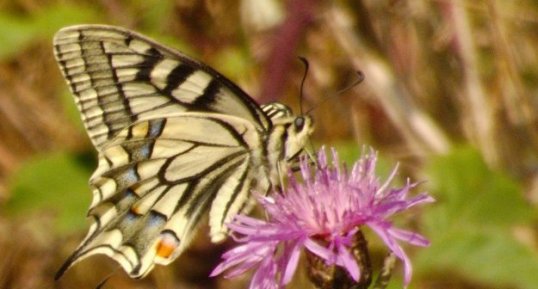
(383, 278)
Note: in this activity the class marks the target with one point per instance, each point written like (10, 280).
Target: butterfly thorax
(287, 139)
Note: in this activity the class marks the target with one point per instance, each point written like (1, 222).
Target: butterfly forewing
(119, 76)
(175, 140)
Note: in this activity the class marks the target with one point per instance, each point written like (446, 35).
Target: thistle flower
(321, 214)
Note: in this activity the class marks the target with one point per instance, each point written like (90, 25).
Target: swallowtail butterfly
(176, 141)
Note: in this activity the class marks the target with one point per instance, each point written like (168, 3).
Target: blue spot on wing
(156, 127)
(143, 151)
(130, 175)
(130, 216)
(156, 219)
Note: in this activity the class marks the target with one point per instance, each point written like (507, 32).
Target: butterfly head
(294, 129)
(299, 130)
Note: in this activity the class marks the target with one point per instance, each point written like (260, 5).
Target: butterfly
(176, 141)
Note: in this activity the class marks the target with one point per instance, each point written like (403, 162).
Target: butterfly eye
(299, 123)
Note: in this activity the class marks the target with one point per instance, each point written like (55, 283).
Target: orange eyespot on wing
(167, 245)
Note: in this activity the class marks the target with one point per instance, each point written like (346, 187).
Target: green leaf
(58, 183)
(471, 225)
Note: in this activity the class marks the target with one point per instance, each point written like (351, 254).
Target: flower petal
(293, 261)
(321, 213)
(320, 251)
(346, 260)
(397, 250)
(409, 237)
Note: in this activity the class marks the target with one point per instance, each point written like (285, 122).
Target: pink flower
(330, 204)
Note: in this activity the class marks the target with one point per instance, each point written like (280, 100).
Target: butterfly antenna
(301, 97)
(360, 79)
(301, 89)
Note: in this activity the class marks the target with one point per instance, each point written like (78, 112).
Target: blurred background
(450, 92)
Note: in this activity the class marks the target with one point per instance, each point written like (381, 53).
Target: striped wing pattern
(155, 180)
(119, 77)
(175, 139)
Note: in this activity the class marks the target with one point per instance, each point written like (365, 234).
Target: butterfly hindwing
(155, 181)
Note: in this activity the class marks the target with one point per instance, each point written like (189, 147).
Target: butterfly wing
(118, 77)
(158, 177)
(175, 139)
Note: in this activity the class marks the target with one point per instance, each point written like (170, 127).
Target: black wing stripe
(111, 102)
(153, 57)
(237, 190)
(84, 250)
(232, 131)
(133, 233)
(207, 193)
(195, 179)
(207, 99)
(113, 58)
(123, 118)
(176, 77)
